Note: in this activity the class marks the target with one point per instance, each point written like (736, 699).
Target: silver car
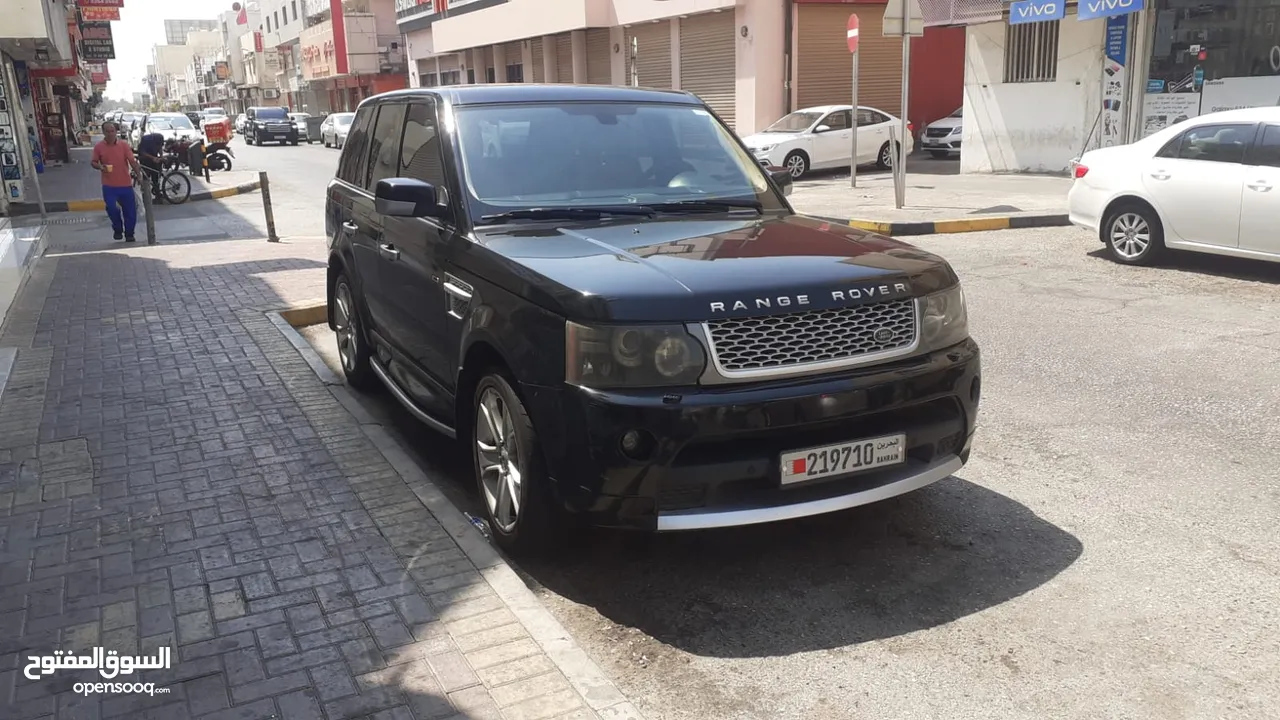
(334, 129)
(300, 121)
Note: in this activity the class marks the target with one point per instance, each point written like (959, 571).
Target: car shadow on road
(1233, 268)
(875, 572)
(919, 163)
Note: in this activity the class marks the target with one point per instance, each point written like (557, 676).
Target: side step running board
(408, 403)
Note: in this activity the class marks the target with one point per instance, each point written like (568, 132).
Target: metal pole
(147, 205)
(853, 121)
(266, 207)
(901, 170)
(635, 52)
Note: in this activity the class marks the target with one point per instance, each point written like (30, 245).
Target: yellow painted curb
(875, 227)
(304, 316)
(85, 205)
(973, 225)
(224, 193)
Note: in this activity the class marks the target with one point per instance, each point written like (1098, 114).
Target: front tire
(1133, 235)
(797, 163)
(510, 471)
(353, 346)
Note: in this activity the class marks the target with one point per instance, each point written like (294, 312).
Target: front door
(833, 146)
(1260, 201)
(1196, 182)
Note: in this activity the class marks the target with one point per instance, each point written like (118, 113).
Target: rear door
(1260, 200)
(1196, 181)
(873, 133)
(356, 218)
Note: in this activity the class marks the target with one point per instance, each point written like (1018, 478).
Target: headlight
(943, 319)
(631, 356)
(763, 149)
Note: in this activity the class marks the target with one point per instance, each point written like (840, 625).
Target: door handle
(1160, 175)
(1260, 186)
(388, 251)
(349, 227)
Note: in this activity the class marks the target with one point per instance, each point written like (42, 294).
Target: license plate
(843, 458)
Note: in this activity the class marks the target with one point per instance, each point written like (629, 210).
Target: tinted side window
(870, 117)
(1216, 143)
(1267, 151)
(384, 144)
(420, 153)
(1170, 149)
(355, 154)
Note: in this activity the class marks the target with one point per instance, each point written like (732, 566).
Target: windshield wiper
(707, 206)
(567, 213)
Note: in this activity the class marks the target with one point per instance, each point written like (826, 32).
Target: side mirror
(782, 177)
(822, 128)
(406, 197)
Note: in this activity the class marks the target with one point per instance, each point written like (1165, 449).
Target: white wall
(1030, 127)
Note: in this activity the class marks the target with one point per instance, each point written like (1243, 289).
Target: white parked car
(942, 136)
(300, 122)
(822, 137)
(240, 121)
(173, 126)
(333, 131)
(1209, 184)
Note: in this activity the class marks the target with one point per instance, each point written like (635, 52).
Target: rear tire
(1133, 235)
(354, 353)
(884, 158)
(508, 464)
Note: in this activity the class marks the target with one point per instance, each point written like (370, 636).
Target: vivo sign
(1090, 9)
(1028, 11)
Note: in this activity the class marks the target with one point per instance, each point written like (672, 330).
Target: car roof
(540, 93)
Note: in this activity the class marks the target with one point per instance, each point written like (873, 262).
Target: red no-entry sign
(853, 33)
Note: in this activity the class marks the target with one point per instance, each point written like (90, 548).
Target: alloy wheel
(499, 461)
(886, 155)
(1130, 235)
(795, 164)
(345, 327)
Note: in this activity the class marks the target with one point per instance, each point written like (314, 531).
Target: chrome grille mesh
(776, 341)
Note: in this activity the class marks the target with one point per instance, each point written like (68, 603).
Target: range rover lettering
(615, 307)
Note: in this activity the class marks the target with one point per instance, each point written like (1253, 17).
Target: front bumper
(949, 143)
(715, 452)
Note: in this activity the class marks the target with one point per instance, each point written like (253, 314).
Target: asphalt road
(1110, 551)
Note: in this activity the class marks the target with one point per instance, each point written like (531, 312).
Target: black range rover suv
(603, 294)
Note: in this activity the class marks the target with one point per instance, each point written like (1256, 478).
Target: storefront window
(1212, 56)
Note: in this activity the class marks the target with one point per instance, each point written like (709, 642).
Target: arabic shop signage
(100, 3)
(96, 41)
(1029, 11)
(99, 14)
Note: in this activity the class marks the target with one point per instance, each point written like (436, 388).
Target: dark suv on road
(269, 124)
(603, 294)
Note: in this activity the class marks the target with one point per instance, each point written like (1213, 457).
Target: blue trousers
(128, 206)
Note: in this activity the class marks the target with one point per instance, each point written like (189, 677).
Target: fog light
(636, 444)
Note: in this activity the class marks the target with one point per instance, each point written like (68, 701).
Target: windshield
(299, 116)
(271, 114)
(216, 111)
(343, 119)
(585, 154)
(795, 122)
(177, 122)
(958, 113)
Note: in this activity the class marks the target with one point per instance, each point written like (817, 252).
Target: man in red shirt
(114, 159)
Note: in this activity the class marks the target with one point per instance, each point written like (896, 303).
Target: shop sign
(97, 41)
(99, 14)
(222, 70)
(1094, 9)
(100, 3)
(1240, 92)
(1160, 110)
(318, 52)
(1114, 81)
(1029, 11)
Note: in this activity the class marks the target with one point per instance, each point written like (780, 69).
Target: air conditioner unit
(271, 94)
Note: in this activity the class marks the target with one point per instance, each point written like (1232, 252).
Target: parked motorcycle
(219, 155)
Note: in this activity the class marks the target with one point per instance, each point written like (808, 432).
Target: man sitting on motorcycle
(150, 148)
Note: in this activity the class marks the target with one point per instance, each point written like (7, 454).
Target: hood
(766, 139)
(946, 122)
(690, 270)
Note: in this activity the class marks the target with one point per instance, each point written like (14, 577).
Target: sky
(141, 25)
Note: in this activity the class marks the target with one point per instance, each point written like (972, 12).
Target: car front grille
(937, 132)
(816, 336)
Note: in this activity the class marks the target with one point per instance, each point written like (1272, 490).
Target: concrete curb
(58, 206)
(599, 692)
(938, 227)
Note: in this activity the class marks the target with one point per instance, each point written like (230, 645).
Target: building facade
(752, 61)
(1040, 92)
(175, 31)
(350, 50)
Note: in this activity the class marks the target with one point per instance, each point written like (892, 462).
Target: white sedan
(1209, 184)
(173, 126)
(822, 137)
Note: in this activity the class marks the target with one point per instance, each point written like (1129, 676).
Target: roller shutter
(653, 59)
(824, 73)
(599, 69)
(564, 58)
(707, 62)
(450, 70)
(535, 73)
(514, 56)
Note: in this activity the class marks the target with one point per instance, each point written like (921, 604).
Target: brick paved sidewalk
(173, 475)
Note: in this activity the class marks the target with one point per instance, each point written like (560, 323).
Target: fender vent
(458, 295)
